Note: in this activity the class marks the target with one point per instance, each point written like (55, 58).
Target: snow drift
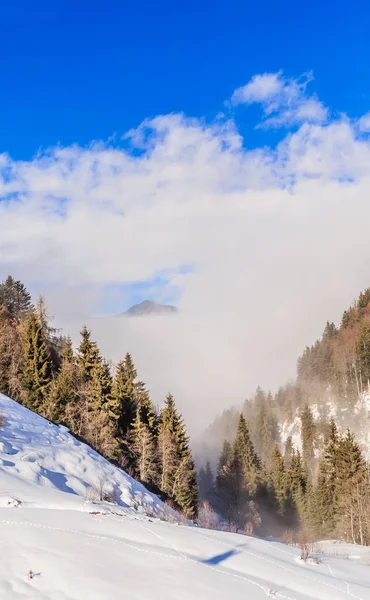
(56, 545)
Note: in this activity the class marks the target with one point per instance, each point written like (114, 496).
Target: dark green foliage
(117, 418)
(87, 355)
(64, 388)
(124, 395)
(278, 479)
(144, 450)
(288, 453)
(36, 373)
(177, 470)
(245, 457)
(308, 436)
(15, 298)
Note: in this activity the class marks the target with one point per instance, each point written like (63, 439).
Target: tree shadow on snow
(219, 558)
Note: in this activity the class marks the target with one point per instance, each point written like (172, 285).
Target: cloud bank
(260, 246)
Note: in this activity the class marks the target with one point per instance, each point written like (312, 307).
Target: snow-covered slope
(357, 418)
(39, 460)
(56, 546)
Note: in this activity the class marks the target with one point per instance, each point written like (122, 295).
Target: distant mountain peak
(149, 307)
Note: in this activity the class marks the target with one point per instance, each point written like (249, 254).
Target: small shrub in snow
(207, 517)
(305, 543)
(2, 421)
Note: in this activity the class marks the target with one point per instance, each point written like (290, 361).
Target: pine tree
(15, 298)
(145, 407)
(124, 395)
(87, 355)
(351, 489)
(288, 453)
(100, 387)
(225, 456)
(308, 436)
(185, 485)
(244, 454)
(143, 447)
(36, 373)
(363, 354)
(178, 475)
(297, 482)
(278, 478)
(64, 388)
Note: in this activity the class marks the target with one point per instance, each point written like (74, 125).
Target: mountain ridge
(149, 307)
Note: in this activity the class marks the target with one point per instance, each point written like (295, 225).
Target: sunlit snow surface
(48, 528)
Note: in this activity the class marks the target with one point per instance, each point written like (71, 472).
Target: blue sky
(253, 223)
(76, 71)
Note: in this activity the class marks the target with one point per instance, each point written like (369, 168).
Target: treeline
(110, 409)
(283, 495)
(333, 378)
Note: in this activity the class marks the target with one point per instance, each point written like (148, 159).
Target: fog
(258, 246)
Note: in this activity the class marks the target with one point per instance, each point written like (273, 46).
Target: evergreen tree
(124, 395)
(87, 355)
(363, 354)
(143, 447)
(100, 387)
(297, 482)
(15, 298)
(278, 479)
(186, 487)
(245, 456)
(178, 475)
(225, 456)
(64, 388)
(308, 436)
(351, 489)
(288, 452)
(36, 373)
(145, 407)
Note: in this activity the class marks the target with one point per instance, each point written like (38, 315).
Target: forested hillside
(105, 405)
(298, 458)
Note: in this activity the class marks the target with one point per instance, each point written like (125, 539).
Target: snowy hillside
(357, 418)
(56, 545)
(38, 460)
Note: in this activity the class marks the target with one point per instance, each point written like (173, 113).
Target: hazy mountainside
(333, 379)
(149, 307)
(59, 541)
(299, 460)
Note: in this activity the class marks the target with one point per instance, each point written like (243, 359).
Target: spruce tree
(288, 453)
(124, 395)
(278, 479)
(244, 454)
(144, 450)
(178, 475)
(87, 355)
(64, 388)
(225, 455)
(100, 388)
(15, 298)
(308, 437)
(36, 372)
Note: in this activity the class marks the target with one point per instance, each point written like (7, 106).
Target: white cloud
(285, 102)
(276, 241)
(364, 123)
